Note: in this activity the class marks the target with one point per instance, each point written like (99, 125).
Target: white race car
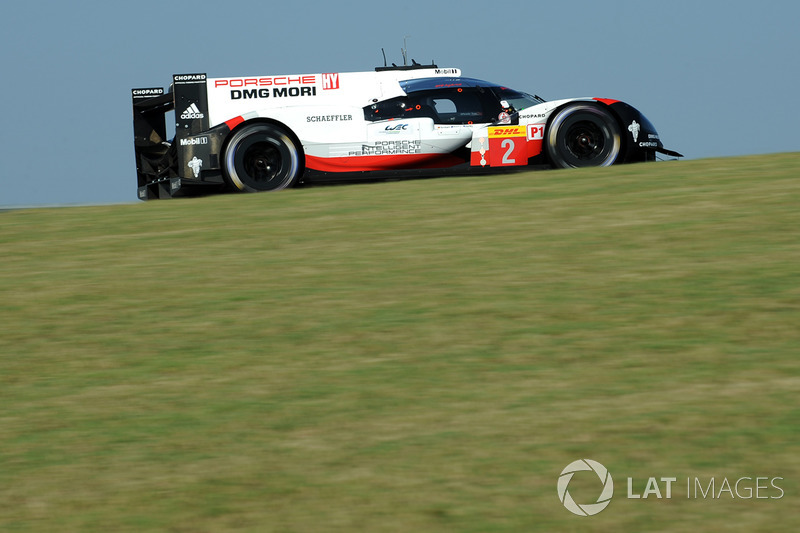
(265, 133)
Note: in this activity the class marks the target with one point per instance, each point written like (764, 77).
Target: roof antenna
(404, 51)
(384, 58)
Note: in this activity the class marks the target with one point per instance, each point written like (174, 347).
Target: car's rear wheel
(262, 157)
(583, 135)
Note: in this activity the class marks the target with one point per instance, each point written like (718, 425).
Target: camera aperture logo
(586, 509)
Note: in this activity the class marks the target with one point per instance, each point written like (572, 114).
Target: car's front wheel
(262, 157)
(583, 135)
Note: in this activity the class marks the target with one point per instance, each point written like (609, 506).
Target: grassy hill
(409, 356)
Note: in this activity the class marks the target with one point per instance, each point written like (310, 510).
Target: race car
(266, 133)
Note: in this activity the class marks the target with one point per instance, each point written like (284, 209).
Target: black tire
(583, 135)
(262, 157)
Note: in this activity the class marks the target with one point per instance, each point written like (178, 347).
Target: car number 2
(509, 146)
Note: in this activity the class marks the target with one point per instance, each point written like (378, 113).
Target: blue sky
(717, 78)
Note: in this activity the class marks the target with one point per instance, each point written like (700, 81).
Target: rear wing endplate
(160, 170)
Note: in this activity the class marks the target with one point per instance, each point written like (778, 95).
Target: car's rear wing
(161, 169)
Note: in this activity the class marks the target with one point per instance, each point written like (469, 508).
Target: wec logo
(589, 509)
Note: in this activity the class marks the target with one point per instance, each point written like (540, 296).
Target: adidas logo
(192, 112)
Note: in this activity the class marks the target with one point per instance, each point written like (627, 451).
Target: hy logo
(330, 81)
(589, 509)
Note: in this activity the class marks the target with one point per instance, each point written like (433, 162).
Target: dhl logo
(507, 131)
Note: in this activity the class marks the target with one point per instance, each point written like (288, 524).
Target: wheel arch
(626, 114)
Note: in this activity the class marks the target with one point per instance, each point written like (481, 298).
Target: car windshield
(516, 99)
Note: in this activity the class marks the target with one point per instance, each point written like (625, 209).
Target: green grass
(409, 356)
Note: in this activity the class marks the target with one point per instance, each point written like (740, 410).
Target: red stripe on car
(232, 123)
(607, 101)
(381, 162)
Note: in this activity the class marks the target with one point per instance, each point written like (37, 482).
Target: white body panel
(326, 111)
